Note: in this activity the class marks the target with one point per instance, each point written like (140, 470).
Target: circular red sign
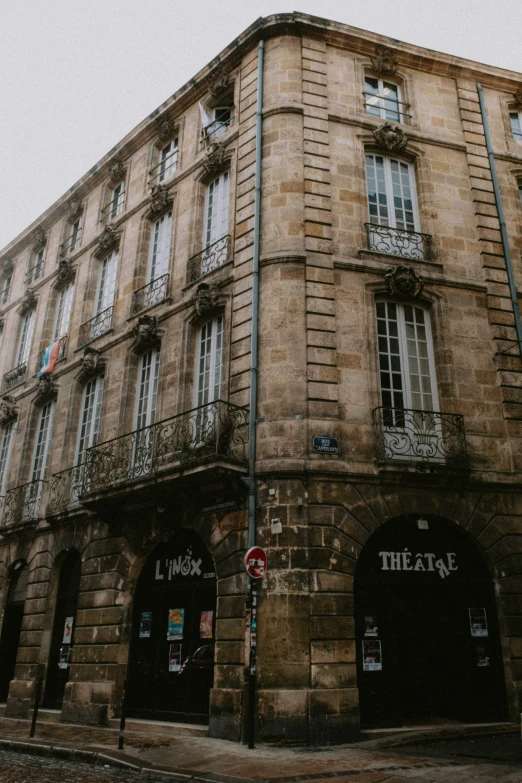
(255, 562)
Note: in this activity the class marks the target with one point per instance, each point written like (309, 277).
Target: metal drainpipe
(503, 229)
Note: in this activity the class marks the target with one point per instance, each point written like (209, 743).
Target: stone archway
(427, 633)
(12, 624)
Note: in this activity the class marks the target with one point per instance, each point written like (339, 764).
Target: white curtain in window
(216, 209)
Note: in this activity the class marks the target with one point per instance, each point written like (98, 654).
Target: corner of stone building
(225, 714)
(83, 703)
(21, 699)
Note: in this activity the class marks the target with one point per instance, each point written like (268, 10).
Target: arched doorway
(428, 641)
(63, 631)
(171, 667)
(12, 625)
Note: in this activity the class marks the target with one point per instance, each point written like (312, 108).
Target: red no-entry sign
(255, 562)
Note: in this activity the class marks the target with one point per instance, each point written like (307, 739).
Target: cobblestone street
(20, 768)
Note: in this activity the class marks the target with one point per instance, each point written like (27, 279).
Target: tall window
(515, 118)
(26, 337)
(6, 438)
(147, 389)
(107, 282)
(391, 193)
(6, 288)
(37, 268)
(382, 99)
(221, 119)
(116, 200)
(75, 232)
(216, 209)
(209, 362)
(63, 311)
(168, 160)
(90, 418)
(43, 442)
(160, 246)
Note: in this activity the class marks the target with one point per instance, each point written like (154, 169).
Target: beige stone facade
(322, 274)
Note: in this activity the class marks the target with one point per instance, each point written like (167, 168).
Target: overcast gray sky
(78, 76)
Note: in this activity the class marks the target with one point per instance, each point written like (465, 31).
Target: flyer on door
(372, 655)
(67, 630)
(174, 657)
(176, 623)
(145, 625)
(478, 622)
(205, 624)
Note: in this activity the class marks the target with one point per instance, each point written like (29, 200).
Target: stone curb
(432, 737)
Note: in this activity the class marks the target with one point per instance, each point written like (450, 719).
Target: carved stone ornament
(90, 361)
(391, 137)
(28, 302)
(205, 298)
(7, 266)
(8, 412)
(214, 157)
(165, 127)
(403, 281)
(107, 239)
(65, 272)
(45, 390)
(159, 198)
(517, 99)
(39, 238)
(74, 208)
(218, 82)
(116, 170)
(384, 61)
(145, 332)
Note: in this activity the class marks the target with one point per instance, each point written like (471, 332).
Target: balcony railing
(386, 107)
(398, 242)
(164, 169)
(33, 273)
(97, 326)
(215, 130)
(61, 353)
(210, 258)
(65, 489)
(15, 376)
(22, 504)
(151, 294)
(218, 430)
(426, 436)
(71, 243)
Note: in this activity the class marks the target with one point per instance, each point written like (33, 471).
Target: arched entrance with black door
(63, 631)
(12, 625)
(171, 666)
(428, 641)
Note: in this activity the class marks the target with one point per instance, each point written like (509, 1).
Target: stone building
(389, 415)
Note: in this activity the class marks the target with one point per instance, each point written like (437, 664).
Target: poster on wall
(482, 656)
(176, 623)
(370, 626)
(372, 655)
(145, 625)
(174, 657)
(63, 660)
(67, 630)
(205, 624)
(478, 622)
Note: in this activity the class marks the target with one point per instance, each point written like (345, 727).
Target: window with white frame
(116, 200)
(107, 282)
(147, 391)
(37, 267)
(75, 233)
(6, 288)
(26, 338)
(221, 118)
(168, 160)
(90, 418)
(382, 99)
(515, 118)
(160, 247)
(217, 199)
(391, 193)
(209, 362)
(6, 439)
(63, 311)
(43, 441)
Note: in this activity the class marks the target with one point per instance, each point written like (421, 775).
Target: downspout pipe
(254, 350)
(503, 228)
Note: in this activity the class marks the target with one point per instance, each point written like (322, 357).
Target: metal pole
(39, 683)
(252, 666)
(121, 738)
(502, 221)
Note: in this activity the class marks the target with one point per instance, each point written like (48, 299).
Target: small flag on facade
(49, 359)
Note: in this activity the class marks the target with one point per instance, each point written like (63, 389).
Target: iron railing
(65, 489)
(210, 258)
(386, 107)
(22, 504)
(71, 243)
(15, 376)
(33, 273)
(61, 353)
(113, 207)
(215, 130)
(151, 294)
(217, 430)
(164, 169)
(428, 436)
(398, 242)
(97, 326)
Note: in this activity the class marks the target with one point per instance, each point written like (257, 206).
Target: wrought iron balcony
(210, 258)
(164, 169)
(71, 243)
(427, 436)
(65, 489)
(151, 294)
(386, 107)
(22, 504)
(15, 376)
(411, 245)
(61, 353)
(217, 431)
(97, 326)
(33, 273)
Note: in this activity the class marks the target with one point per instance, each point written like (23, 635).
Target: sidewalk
(388, 759)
